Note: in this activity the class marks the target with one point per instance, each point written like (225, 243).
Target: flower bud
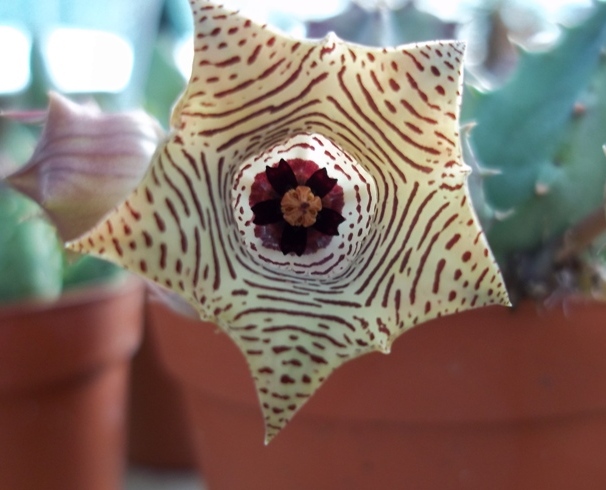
(86, 162)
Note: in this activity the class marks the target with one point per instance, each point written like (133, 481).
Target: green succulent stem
(541, 133)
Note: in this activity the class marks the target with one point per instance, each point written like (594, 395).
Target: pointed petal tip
(272, 430)
(330, 37)
(75, 246)
(22, 182)
(81, 243)
(269, 436)
(386, 349)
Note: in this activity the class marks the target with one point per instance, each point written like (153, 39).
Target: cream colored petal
(395, 113)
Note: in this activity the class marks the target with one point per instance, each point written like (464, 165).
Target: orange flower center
(300, 206)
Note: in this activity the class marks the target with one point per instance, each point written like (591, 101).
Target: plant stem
(581, 235)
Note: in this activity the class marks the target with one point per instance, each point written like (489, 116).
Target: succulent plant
(31, 259)
(33, 265)
(538, 141)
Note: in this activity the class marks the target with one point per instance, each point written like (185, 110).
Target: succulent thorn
(485, 172)
(503, 215)
(579, 109)
(541, 189)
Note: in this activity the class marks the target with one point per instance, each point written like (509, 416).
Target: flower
(383, 122)
(298, 208)
(85, 162)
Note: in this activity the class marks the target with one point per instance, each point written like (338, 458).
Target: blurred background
(137, 53)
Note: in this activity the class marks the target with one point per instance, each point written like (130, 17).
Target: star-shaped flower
(383, 122)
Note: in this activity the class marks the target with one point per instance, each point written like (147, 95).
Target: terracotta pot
(158, 431)
(63, 384)
(488, 399)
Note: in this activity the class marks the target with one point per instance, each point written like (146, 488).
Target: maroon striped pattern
(385, 122)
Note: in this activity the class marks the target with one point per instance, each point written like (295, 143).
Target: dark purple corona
(297, 206)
